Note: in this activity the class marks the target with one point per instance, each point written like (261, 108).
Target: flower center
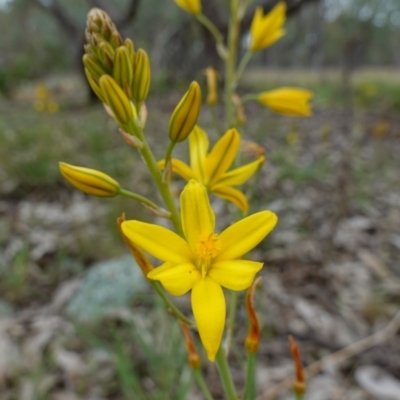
(207, 249)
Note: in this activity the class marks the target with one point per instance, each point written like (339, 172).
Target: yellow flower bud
(184, 117)
(106, 54)
(89, 180)
(191, 6)
(116, 99)
(142, 77)
(94, 67)
(288, 101)
(122, 71)
(131, 49)
(212, 78)
(94, 85)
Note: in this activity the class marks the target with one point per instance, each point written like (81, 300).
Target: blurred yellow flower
(288, 101)
(210, 169)
(203, 261)
(191, 6)
(267, 29)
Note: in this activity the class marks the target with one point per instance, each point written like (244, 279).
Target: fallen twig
(339, 356)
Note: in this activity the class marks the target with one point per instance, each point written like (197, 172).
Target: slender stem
(242, 65)
(208, 24)
(225, 375)
(250, 387)
(155, 171)
(171, 306)
(230, 63)
(215, 120)
(249, 97)
(144, 200)
(168, 154)
(231, 320)
(299, 396)
(202, 384)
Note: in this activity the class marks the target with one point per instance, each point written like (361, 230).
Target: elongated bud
(90, 181)
(185, 115)
(145, 265)
(191, 6)
(299, 385)
(115, 40)
(142, 77)
(95, 68)
(212, 87)
(253, 338)
(122, 71)
(106, 54)
(193, 357)
(116, 99)
(94, 85)
(131, 50)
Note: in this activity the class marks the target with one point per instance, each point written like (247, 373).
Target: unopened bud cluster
(127, 72)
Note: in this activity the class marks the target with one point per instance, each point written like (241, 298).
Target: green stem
(215, 120)
(202, 384)
(242, 66)
(230, 63)
(231, 320)
(144, 200)
(249, 97)
(225, 375)
(298, 396)
(250, 387)
(174, 309)
(208, 24)
(155, 171)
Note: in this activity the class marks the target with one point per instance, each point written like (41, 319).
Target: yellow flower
(211, 169)
(288, 101)
(90, 181)
(266, 30)
(203, 261)
(191, 6)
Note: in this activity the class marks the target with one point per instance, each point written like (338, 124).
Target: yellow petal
(158, 241)
(208, 304)
(235, 196)
(236, 274)
(176, 279)
(180, 168)
(241, 237)
(240, 175)
(198, 220)
(288, 101)
(222, 156)
(198, 147)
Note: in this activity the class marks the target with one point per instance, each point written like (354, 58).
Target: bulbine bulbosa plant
(193, 256)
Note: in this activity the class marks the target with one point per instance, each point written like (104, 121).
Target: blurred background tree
(321, 33)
